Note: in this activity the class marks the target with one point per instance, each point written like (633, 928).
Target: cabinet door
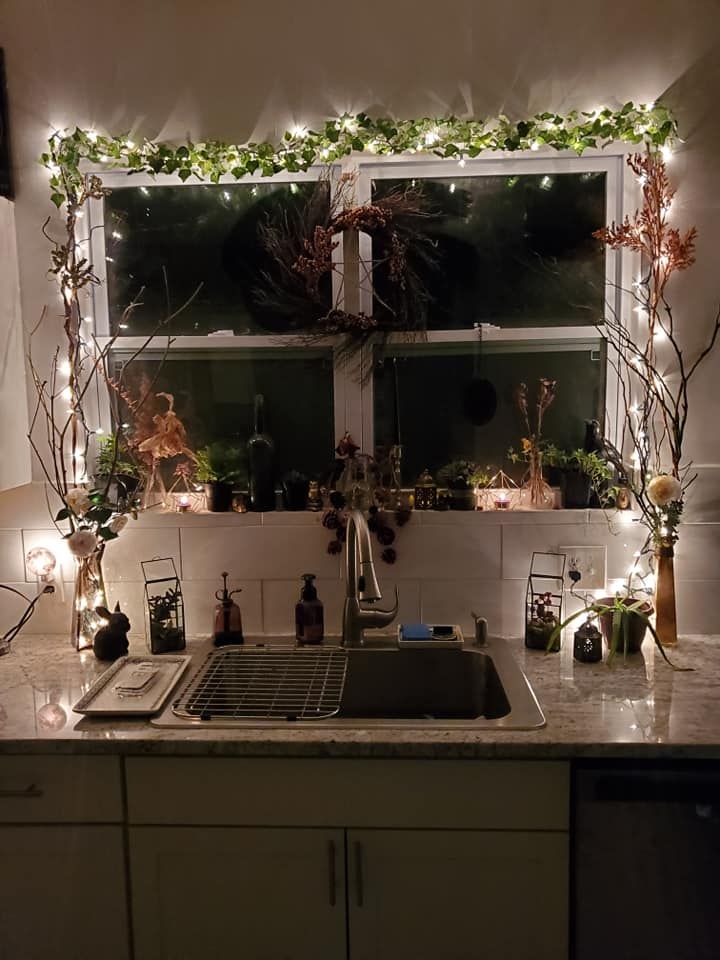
(260, 893)
(62, 893)
(459, 895)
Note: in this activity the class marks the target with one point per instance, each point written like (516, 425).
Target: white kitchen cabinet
(259, 893)
(62, 893)
(457, 895)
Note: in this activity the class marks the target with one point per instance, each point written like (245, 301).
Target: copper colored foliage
(647, 232)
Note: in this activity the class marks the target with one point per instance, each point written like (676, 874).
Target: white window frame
(353, 398)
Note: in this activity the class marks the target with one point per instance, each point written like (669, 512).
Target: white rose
(664, 489)
(78, 501)
(82, 543)
(118, 523)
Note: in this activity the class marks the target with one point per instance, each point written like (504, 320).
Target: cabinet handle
(30, 791)
(359, 886)
(332, 879)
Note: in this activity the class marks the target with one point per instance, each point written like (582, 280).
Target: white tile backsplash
(12, 561)
(447, 553)
(123, 556)
(257, 553)
(448, 564)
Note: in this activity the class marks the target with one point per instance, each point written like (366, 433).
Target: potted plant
(115, 471)
(458, 477)
(220, 465)
(624, 621)
(295, 490)
(581, 474)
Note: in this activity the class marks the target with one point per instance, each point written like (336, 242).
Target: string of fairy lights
(71, 151)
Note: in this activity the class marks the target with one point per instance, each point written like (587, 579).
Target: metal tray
(104, 700)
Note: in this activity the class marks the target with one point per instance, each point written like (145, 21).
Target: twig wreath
(302, 247)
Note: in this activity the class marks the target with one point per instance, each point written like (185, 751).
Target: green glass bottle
(261, 462)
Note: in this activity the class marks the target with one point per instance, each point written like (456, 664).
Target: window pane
(205, 234)
(513, 250)
(214, 397)
(439, 405)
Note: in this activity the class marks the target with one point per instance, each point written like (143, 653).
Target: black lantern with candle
(425, 492)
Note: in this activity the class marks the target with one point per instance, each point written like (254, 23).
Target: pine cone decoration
(385, 536)
(334, 547)
(389, 555)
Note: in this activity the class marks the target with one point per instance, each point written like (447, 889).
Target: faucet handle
(481, 629)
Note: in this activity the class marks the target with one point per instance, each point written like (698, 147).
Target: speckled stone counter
(636, 708)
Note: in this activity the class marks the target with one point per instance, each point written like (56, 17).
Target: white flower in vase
(664, 489)
(78, 500)
(82, 543)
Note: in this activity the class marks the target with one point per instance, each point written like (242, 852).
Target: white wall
(233, 70)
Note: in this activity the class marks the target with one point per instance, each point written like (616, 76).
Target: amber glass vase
(665, 614)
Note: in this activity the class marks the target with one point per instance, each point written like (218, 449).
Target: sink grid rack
(259, 683)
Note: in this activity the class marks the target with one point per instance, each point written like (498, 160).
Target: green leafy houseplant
(459, 477)
(219, 466)
(581, 474)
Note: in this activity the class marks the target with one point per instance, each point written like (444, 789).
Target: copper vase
(665, 615)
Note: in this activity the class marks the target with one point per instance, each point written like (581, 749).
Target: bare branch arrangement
(654, 372)
(61, 432)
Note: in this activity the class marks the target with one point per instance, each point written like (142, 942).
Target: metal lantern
(544, 600)
(425, 492)
(164, 604)
(587, 643)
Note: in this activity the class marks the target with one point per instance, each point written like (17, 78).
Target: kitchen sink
(272, 685)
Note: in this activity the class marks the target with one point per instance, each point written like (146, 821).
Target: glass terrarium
(543, 601)
(164, 604)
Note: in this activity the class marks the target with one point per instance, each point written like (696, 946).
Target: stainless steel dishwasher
(646, 861)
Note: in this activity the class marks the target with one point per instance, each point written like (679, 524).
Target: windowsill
(444, 518)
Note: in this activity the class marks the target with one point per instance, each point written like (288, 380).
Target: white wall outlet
(590, 563)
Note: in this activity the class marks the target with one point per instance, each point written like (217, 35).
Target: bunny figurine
(111, 641)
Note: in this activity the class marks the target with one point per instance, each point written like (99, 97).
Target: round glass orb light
(41, 562)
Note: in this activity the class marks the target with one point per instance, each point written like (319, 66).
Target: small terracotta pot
(636, 630)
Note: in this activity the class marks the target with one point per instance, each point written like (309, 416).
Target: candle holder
(426, 493)
(498, 493)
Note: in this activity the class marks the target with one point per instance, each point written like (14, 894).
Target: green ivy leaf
(106, 533)
(58, 199)
(62, 514)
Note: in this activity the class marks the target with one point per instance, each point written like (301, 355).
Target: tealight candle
(183, 504)
(501, 500)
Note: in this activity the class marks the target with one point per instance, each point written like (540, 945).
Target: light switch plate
(591, 562)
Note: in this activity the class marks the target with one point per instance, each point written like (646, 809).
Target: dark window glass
(205, 234)
(214, 397)
(439, 405)
(513, 250)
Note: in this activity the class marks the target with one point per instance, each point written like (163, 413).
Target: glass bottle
(261, 462)
(227, 624)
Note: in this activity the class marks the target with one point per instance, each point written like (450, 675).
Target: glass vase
(89, 593)
(665, 614)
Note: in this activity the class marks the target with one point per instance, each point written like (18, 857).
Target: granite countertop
(636, 708)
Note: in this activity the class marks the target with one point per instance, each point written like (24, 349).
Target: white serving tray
(103, 699)
(448, 644)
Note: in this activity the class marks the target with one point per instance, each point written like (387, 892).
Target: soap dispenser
(309, 614)
(228, 619)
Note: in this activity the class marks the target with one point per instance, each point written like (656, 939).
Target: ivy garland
(300, 148)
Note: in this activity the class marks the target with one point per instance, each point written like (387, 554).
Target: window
(518, 287)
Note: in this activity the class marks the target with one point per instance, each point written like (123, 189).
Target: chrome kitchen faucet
(361, 584)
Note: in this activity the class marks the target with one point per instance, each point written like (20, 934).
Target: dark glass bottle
(261, 462)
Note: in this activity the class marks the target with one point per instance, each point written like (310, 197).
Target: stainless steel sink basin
(374, 686)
